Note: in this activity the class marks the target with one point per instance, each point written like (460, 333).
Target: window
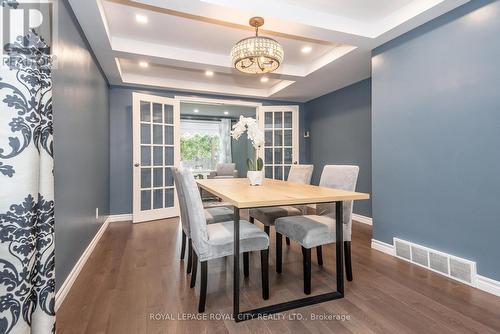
(200, 144)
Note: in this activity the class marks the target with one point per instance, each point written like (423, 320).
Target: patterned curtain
(225, 141)
(27, 277)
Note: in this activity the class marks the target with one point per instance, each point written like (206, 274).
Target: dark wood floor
(135, 274)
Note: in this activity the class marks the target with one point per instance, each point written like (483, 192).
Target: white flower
(255, 134)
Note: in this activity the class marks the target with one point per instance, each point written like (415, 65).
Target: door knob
(136, 165)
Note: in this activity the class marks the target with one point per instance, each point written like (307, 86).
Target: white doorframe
(163, 212)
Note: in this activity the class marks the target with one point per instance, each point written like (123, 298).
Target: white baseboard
(383, 247)
(68, 283)
(362, 219)
(488, 285)
(120, 218)
(482, 283)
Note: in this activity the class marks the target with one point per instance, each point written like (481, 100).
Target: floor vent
(451, 266)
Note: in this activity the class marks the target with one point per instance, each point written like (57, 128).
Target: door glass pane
(145, 155)
(268, 156)
(145, 134)
(278, 172)
(169, 114)
(169, 197)
(145, 111)
(288, 138)
(278, 137)
(146, 200)
(157, 134)
(287, 171)
(268, 120)
(158, 177)
(268, 138)
(278, 156)
(169, 177)
(288, 120)
(158, 156)
(157, 198)
(169, 135)
(157, 113)
(278, 120)
(169, 156)
(287, 155)
(269, 172)
(145, 177)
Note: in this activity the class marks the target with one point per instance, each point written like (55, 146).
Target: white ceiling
(184, 38)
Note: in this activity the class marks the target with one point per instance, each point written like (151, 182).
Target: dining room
(249, 167)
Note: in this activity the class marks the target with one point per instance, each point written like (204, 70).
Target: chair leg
(319, 254)
(183, 245)
(246, 264)
(307, 270)
(251, 220)
(195, 267)
(348, 262)
(203, 286)
(264, 263)
(190, 255)
(287, 241)
(267, 229)
(279, 247)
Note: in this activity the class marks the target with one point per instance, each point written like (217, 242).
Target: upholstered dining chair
(319, 229)
(216, 240)
(267, 216)
(212, 215)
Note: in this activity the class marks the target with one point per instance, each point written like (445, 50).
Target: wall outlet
(96, 213)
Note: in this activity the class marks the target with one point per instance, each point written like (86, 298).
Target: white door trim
(204, 100)
(138, 215)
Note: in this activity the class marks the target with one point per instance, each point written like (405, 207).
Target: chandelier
(257, 54)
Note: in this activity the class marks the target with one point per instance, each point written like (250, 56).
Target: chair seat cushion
(221, 236)
(311, 230)
(218, 214)
(267, 216)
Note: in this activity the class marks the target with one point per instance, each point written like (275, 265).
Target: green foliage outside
(199, 147)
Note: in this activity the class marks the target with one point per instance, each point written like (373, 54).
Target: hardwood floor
(134, 282)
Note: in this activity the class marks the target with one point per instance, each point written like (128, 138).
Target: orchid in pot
(256, 136)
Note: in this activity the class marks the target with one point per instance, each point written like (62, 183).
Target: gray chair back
(194, 210)
(182, 202)
(300, 174)
(339, 177)
(225, 169)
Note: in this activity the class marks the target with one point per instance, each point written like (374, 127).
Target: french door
(281, 148)
(156, 148)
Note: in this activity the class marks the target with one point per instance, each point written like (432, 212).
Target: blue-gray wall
(436, 136)
(121, 140)
(81, 144)
(340, 125)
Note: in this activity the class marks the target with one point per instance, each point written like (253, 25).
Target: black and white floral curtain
(27, 267)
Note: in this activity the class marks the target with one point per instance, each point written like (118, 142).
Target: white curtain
(225, 141)
(27, 277)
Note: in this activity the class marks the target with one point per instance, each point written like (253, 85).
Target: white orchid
(255, 134)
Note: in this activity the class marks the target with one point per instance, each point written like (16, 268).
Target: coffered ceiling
(185, 44)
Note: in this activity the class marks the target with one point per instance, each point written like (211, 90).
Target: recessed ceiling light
(264, 79)
(143, 64)
(196, 110)
(306, 49)
(209, 73)
(226, 112)
(143, 19)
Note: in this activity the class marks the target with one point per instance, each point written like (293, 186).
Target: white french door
(156, 148)
(281, 148)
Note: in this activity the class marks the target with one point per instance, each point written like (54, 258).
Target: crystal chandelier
(257, 54)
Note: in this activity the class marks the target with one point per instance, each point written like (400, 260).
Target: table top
(241, 194)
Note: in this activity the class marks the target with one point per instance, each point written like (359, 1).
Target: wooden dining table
(241, 195)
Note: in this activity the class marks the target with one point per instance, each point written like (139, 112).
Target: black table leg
(236, 265)
(297, 303)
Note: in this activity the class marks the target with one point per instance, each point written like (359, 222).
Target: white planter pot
(255, 177)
